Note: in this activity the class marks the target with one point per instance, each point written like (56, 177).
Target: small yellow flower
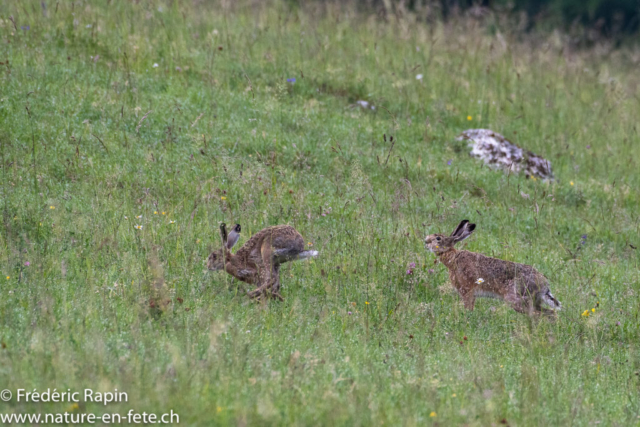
(469, 118)
(310, 244)
(585, 313)
(8, 277)
(218, 409)
(164, 213)
(223, 198)
(502, 366)
(155, 212)
(197, 240)
(593, 310)
(366, 302)
(52, 207)
(571, 183)
(433, 414)
(453, 395)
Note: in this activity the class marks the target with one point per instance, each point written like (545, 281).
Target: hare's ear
(466, 231)
(459, 228)
(234, 235)
(223, 233)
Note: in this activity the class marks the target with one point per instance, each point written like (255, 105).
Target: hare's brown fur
(258, 261)
(476, 275)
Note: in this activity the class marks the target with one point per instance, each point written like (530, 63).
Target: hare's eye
(438, 239)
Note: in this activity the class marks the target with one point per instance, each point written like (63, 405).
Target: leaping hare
(258, 261)
(475, 275)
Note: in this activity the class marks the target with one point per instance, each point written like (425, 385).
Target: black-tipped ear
(466, 232)
(234, 235)
(223, 233)
(459, 228)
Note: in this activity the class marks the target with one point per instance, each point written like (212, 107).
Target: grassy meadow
(130, 130)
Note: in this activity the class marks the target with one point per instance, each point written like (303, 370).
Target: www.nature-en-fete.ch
(130, 417)
(74, 416)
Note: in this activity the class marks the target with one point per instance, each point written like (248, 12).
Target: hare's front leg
(468, 299)
(464, 288)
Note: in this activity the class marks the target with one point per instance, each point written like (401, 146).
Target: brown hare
(475, 275)
(258, 261)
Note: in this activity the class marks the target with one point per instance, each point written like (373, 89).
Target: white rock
(498, 152)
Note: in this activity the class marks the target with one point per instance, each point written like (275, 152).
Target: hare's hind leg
(543, 300)
(265, 286)
(276, 282)
(273, 289)
(265, 270)
(269, 275)
(547, 312)
(264, 282)
(526, 306)
(268, 289)
(546, 298)
(518, 303)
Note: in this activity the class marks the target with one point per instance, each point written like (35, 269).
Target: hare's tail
(551, 301)
(291, 254)
(306, 254)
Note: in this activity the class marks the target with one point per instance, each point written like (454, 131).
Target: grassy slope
(226, 138)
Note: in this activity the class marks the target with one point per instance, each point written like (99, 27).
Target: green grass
(93, 135)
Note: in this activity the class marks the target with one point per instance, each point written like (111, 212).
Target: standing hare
(258, 261)
(475, 275)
